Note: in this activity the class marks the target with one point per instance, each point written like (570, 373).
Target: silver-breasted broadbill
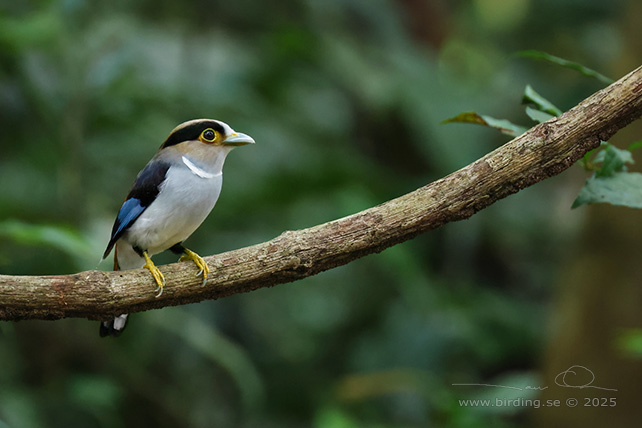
(169, 200)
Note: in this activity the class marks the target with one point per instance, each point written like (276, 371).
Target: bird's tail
(116, 326)
(113, 327)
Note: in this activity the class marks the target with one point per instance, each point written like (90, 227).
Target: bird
(170, 198)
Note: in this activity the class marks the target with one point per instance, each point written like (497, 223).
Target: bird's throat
(198, 171)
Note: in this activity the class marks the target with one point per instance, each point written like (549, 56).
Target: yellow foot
(158, 276)
(204, 270)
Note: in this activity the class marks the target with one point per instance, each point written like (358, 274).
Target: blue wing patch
(129, 212)
(142, 194)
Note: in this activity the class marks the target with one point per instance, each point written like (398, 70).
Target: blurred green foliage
(345, 100)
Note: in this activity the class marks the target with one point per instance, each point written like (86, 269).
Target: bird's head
(206, 132)
(204, 142)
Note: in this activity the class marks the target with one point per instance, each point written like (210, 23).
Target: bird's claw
(160, 290)
(204, 269)
(156, 273)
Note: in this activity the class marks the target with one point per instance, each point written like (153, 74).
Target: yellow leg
(204, 270)
(158, 276)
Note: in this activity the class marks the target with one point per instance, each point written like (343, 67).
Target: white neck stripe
(198, 171)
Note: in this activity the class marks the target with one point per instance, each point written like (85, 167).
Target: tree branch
(544, 151)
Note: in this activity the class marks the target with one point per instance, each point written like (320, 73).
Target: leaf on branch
(613, 160)
(541, 103)
(611, 183)
(607, 159)
(543, 56)
(620, 188)
(503, 125)
(538, 115)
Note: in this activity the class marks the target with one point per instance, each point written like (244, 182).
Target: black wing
(141, 196)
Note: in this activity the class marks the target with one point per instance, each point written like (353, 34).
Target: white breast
(186, 197)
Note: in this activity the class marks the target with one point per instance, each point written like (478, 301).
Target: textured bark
(544, 151)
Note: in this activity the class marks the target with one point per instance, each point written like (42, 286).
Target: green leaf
(543, 56)
(613, 160)
(621, 188)
(538, 115)
(542, 104)
(586, 162)
(466, 117)
(503, 125)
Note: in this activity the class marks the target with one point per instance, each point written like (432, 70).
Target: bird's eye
(209, 135)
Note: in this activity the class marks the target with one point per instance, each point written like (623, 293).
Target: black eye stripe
(192, 132)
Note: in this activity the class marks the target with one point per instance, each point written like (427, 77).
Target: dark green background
(344, 100)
